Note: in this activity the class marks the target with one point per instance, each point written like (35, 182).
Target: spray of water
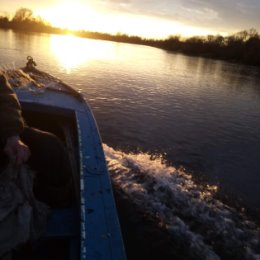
(207, 227)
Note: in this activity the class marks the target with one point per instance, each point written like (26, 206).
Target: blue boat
(90, 229)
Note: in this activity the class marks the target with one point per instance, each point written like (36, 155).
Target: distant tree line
(242, 47)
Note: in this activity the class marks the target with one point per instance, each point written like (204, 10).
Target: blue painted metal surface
(96, 197)
(100, 235)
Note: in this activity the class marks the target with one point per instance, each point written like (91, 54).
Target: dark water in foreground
(152, 107)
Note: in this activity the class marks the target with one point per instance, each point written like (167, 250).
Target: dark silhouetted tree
(23, 14)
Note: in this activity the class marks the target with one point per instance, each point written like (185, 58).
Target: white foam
(189, 211)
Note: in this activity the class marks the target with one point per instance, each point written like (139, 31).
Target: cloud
(221, 14)
(228, 14)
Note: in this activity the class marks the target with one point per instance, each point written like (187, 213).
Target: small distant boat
(90, 229)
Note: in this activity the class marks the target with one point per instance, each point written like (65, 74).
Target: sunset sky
(146, 18)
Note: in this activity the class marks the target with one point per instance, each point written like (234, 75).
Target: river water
(176, 129)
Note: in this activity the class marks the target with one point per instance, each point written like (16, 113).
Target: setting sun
(82, 15)
(73, 15)
(146, 19)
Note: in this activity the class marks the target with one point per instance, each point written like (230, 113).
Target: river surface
(159, 111)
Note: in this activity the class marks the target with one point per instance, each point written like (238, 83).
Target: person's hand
(16, 150)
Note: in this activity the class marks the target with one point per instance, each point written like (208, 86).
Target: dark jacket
(11, 121)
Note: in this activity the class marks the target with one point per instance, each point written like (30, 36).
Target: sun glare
(73, 15)
(151, 27)
(83, 15)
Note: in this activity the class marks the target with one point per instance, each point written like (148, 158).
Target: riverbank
(242, 47)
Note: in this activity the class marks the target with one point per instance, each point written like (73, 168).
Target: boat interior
(62, 238)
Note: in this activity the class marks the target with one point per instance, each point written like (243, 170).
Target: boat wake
(203, 226)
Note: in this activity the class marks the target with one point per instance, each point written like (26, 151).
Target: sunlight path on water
(75, 51)
(206, 226)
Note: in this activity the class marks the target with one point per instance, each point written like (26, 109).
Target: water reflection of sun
(73, 51)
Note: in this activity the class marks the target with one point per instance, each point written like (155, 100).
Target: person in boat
(31, 64)
(42, 151)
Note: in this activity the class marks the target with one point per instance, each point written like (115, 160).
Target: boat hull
(99, 235)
